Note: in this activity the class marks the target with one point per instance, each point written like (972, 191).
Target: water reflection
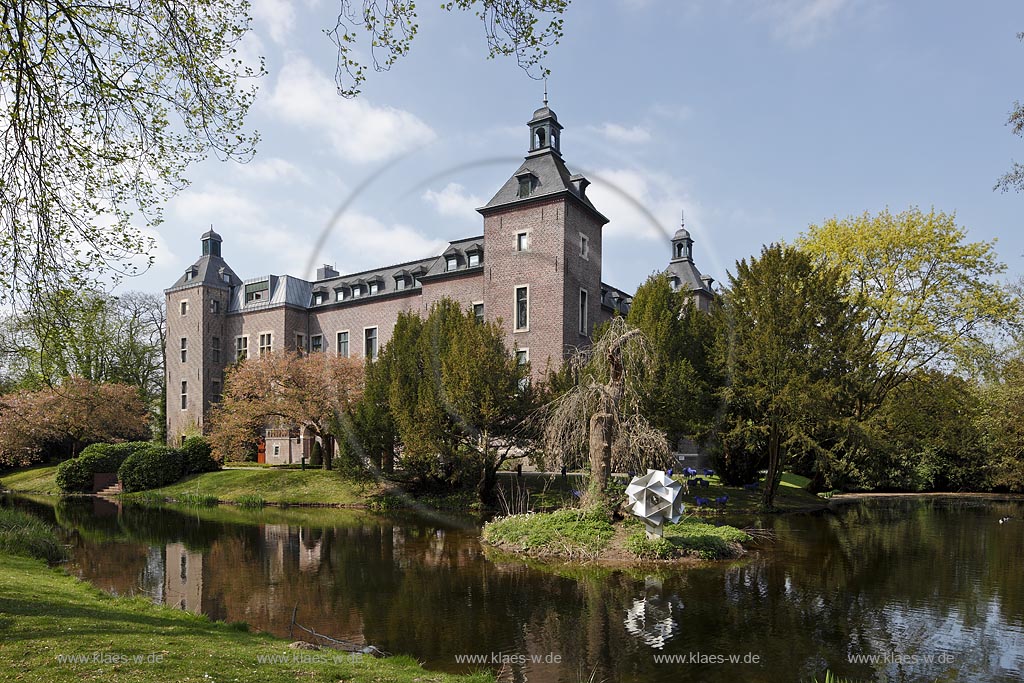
(653, 618)
(935, 579)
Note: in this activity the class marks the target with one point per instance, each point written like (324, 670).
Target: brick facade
(559, 258)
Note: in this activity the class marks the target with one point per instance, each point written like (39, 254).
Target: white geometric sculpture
(655, 497)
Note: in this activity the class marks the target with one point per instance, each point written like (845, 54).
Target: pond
(899, 589)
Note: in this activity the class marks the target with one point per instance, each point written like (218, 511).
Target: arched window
(540, 137)
(679, 250)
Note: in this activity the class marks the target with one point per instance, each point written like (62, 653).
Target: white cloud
(271, 170)
(275, 17)
(802, 22)
(453, 200)
(623, 134)
(355, 129)
(368, 243)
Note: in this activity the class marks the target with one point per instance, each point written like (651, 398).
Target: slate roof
(206, 271)
(553, 178)
(687, 273)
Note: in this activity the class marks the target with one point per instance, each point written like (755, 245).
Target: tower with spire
(682, 272)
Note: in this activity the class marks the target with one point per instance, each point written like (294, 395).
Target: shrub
(151, 468)
(23, 534)
(75, 475)
(197, 456)
(251, 500)
(650, 548)
(316, 455)
(197, 499)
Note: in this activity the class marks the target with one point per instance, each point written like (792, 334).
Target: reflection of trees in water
(873, 577)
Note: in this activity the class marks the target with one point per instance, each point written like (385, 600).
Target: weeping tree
(599, 416)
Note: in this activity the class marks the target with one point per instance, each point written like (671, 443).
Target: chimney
(325, 272)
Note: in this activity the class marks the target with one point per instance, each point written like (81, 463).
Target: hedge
(75, 475)
(151, 468)
(197, 456)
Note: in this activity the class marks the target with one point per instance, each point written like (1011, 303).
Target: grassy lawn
(273, 486)
(569, 534)
(46, 614)
(39, 479)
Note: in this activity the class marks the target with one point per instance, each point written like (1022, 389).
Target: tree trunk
(771, 480)
(600, 457)
(485, 485)
(328, 452)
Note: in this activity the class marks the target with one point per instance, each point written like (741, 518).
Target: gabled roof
(553, 178)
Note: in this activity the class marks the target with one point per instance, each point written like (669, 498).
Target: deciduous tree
(60, 420)
(284, 389)
(1014, 178)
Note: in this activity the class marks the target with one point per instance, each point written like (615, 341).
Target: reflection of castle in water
(183, 578)
(652, 618)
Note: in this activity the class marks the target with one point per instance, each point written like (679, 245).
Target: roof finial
(682, 218)
(545, 91)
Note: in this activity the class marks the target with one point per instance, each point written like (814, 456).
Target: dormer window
(340, 294)
(474, 255)
(525, 186)
(357, 291)
(401, 279)
(374, 287)
(319, 298)
(451, 262)
(257, 291)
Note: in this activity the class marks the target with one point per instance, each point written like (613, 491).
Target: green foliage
(706, 541)
(681, 378)
(196, 499)
(568, 533)
(197, 455)
(316, 455)
(649, 548)
(251, 501)
(791, 350)
(106, 104)
(76, 475)
(1001, 420)
(27, 535)
(151, 468)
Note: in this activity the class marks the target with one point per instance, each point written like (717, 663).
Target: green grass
(569, 533)
(26, 535)
(37, 479)
(280, 486)
(196, 499)
(44, 613)
(794, 480)
(690, 537)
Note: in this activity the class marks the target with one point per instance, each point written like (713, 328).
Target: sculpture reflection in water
(653, 618)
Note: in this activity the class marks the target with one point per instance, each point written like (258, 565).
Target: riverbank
(50, 618)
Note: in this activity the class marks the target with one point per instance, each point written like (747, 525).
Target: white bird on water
(1004, 520)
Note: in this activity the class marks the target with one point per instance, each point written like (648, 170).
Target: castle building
(536, 267)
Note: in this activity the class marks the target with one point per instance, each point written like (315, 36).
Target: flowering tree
(62, 419)
(312, 391)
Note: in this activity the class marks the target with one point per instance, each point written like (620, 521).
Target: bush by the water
(568, 533)
(24, 534)
(197, 455)
(707, 541)
(650, 548)
(151, 468)
(75, 475)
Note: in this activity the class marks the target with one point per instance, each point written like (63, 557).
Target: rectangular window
(241, 348)
(451, 263)
(584, 247)
(525, 186)
(370, 343)
(522, 359)
(343, 344)
(184, 307)
(184, 394)
(316, 343)
(357, 290)
(215, 349)
(584, 327)
(266, 343)
(184, 349)
(277, 449)
(478, 312)
(374, 287)
(300, 343)
(522, 241)
(473, 259)
(400, 283)
(215, 391)
(256, 291)
(522, 308)
(339, 294)
(214, 306)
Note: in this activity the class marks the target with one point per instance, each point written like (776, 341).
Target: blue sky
(758, 117)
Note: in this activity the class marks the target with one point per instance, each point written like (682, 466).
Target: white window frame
(373, 288)
(451, 263)
(584, 312)
(245, 349)
(526, 241)
(348, 343)
(270, 345)
(481, 304)
(515, 308)
(277, 449)
(183, 307)
(525, 381)
(376, 341)
(473, 255)
(184, 349)
(584, 247)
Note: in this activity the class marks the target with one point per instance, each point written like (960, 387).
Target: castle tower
(197, 349)
(542, 275)
(684, 274)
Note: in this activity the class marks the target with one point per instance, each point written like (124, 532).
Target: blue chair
(709, 473)
(722, 500)
(669, 473)
(701, 502)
